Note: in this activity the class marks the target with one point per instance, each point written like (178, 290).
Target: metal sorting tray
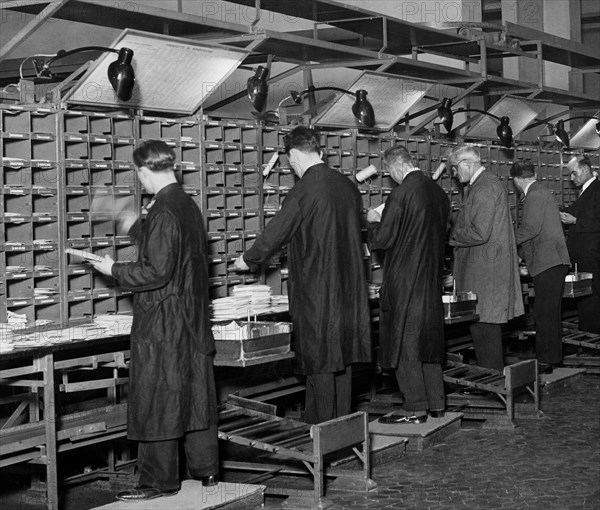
(243, 340)
(459, 305)
(577, 287)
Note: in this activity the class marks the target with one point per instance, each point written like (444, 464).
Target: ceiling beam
(31, 27)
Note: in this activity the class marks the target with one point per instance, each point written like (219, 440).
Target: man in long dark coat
(412, 231)
(583, 238)
(320, 219)
(485, 254)
(171, 383)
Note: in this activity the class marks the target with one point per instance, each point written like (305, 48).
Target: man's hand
(373, 216)
(240, 265)
(105, 266)
(567, 218)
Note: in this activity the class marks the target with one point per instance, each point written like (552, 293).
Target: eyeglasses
(455, 167)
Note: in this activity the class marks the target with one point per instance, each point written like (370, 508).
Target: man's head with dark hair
(303, 149)
(304, 139)
(523, 173)
(584, 161)
(580, 169)
(155, 155)
(155, 164)
(523, 169)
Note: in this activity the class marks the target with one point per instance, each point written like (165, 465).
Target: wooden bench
(290, 447)
(504, 384)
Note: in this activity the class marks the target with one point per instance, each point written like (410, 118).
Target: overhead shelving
(401, 43)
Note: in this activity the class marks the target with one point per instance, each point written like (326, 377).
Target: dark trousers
(549, 286)
(158, 461)
(588, 307)
(328, 395)
(487, 342)
(421, 385)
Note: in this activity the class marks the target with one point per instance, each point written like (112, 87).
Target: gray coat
(540, 234)
(485, 252)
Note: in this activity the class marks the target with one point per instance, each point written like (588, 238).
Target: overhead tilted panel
(521, 113)
(390, 96)
(172, 74)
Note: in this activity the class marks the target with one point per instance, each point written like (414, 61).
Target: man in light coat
(543, 248)
(485, 254)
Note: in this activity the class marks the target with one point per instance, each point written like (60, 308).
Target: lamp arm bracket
(464, 110)
(63, 53)
(316, 89)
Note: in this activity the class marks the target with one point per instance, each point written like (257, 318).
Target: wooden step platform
(382, 449)
(560, 378)
(488, 409)
(192, 496)
(588, 362)
(588, 349)
(581, 339)
(505, 385)
(419, 435)
(282, 446)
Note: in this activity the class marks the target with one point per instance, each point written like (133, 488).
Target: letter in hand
(104, 266)
(567, 218)
(440, 170)
(240, 265)
(373, 216)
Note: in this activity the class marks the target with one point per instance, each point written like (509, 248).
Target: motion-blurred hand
(125, 220)
(105, 266)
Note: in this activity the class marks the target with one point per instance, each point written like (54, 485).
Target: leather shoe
(210, 481)
(144, 493)
(548, 368)
(399, 418)
(437, 413)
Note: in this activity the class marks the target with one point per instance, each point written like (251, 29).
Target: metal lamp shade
(257, 87)
(561, 135)
(363, 110)
(445, 114)
(504, 132)
(121, 75)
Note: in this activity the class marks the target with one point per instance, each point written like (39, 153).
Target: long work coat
(485, 252)
(171, 382)
(412, 232)
(320, 219)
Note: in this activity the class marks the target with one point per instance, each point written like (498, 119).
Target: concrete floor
(551, 462)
